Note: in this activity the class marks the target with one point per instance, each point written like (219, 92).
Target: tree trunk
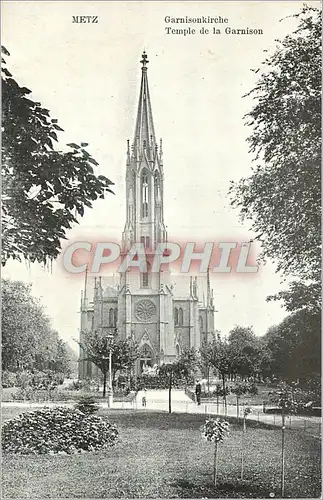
(217, 404)
(114, 372)
(283, 457)
(238, 407)
(243, 446)
(170, 393)
(208, 380)
(104, 383)
(215, 463)
(224, 393)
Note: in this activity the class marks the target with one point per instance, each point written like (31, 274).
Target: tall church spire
(144, 139)
(144, 177)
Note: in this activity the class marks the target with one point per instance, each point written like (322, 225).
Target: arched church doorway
(146, 358)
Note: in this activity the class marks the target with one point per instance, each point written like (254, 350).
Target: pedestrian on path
(144, 398)
(198, 390)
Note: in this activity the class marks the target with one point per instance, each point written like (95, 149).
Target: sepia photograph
(161, 249)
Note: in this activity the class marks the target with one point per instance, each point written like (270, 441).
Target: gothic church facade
(143, 305)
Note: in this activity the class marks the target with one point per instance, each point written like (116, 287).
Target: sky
(88, 76)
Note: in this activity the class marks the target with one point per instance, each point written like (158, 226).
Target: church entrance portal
(146, 358)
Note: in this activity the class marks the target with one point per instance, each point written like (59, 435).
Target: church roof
(109, 285)
(110, 292)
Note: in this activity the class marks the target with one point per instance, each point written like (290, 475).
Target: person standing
(144, 398)
(198, 390)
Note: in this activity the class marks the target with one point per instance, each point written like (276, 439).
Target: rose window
(145, 310)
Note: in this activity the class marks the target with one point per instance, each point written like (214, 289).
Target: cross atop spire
(144, 61)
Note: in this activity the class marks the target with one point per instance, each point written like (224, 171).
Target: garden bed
(63, 396)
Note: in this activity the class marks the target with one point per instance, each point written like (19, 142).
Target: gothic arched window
(145, 277)
(157, 187)
(180, 316)
(145, 280)
(115, 319)
(176, 316)
(201, 323)
(111, 317)
(144, 194)
(177, 350)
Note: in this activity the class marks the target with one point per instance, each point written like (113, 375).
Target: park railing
(190, 394)
(309, 425)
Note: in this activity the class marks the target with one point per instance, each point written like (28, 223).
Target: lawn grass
(164, 456)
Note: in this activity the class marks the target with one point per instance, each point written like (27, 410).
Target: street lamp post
(110, 390)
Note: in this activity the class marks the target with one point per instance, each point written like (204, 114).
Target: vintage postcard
(161, 214)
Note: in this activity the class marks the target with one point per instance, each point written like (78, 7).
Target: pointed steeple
(144, 140)
(144, 177)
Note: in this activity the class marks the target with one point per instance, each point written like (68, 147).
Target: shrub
(58, 430)
(8, 379)
(84, 385)
(39, 380)
(31, 394)
(37, 395)
(87, 405)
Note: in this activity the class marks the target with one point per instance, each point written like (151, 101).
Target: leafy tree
(61, 361)
(124, 354)
(219, 358)
(295, 347)
(43, 188)
(242, 388)
(205, 359)
(182, 367)
(97, 347)
(28, 340)
(265, 359)
(244, 352)
(220, 393)
(187, 363)
(284, 396)
(282, 197)
(215, 430)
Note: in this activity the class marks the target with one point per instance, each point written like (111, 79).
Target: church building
(145, 305)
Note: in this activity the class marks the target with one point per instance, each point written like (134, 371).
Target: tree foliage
(242, 388)
(28, 339)
(43, 188)
(97, 347)
(205, 354)
(187, 362)
(243, 352)
(294, 347)
(282, 197)
(215, 430)
(217, 355)
(182, 367)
